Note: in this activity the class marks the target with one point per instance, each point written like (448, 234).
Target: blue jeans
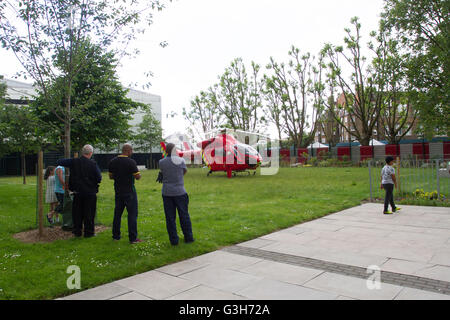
(171, 205)
(130, 202)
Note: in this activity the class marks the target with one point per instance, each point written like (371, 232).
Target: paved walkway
(323, 259)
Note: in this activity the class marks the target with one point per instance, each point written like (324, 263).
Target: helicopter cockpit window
(245, 149)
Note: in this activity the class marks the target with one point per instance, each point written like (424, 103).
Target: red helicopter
(222, 153)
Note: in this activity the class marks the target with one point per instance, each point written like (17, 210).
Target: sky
(204, 36)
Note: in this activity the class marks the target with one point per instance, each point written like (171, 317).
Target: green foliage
(149, 133)
(99, 105)
(422, 195)
(423, 29)
(19, 129)
(3, 126)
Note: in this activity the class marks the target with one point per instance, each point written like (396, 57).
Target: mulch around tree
(50, 234)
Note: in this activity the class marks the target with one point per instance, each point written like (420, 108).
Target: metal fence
(416, 179)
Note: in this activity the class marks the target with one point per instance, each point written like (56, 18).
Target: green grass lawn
(223, 212)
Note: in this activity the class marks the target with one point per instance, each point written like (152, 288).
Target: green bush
(422, 195)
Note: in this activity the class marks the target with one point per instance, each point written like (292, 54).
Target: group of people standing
(84, 180)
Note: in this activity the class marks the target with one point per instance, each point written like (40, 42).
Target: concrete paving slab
(157, 285)
(257, 243)
(424, 238)
(294, 230)
(410, 253)
(344, 298)
(366, 231)
(437, 272)
(223, 279)
(226, 260)
(403, 266)
(186, 266)
(105, 292)
(338, 245)
(205, 293)
(330, 235)
(352, 287)
(131, 296)
(320, 226)
(282, 272)
(441, 256)
(294, 249)
(267, 289)
(415, 294)
(351, 258)
(301, 238)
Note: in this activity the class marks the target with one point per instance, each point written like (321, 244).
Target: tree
(3, 126)
(100, 109)
(398, 115)
(423, 28)
(362, 90)
(18, 126)
(238, 96)
(298, 87)
(273, 107)
(203, 114)
(149, 133)
(38, 32)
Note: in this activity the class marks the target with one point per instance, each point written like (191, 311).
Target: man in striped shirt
(124, 171)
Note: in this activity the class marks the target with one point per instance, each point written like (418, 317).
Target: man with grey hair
(85, 176)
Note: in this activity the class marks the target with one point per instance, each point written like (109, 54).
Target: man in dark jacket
(85, 176)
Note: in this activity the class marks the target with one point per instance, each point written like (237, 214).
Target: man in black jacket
(85, 176)
(124, 171)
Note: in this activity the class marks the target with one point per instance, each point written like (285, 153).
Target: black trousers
(83, 214)
(389, 198)
(171, 205)
(60, 198)
(130, 202)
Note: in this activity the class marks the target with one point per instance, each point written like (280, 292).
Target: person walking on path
(85, 177)
(388, 181)
(123, 170)
(175, 197)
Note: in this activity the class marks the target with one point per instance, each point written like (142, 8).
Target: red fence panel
(421, 150)
(392, 150)
(366, 152)
(285, 155)
(446, 150)
(343, 151)
(320, 153)
(300, 157)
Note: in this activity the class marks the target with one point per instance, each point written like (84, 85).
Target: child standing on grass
(50, 196)
(388, 181)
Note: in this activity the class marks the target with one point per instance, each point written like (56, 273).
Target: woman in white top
(50, 196)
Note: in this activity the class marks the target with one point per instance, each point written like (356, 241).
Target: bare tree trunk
(24, 167)
(67, 137)
(41, 192)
